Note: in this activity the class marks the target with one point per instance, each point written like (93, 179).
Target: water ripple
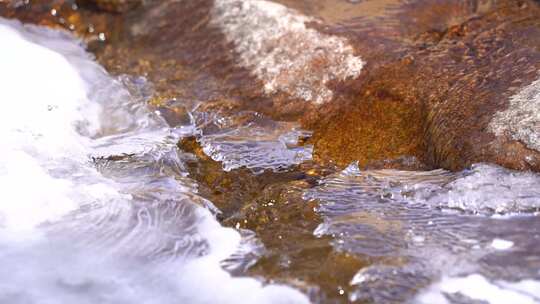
(411, 223)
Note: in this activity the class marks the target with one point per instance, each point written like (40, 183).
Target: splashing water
(467, 229)
(96, 205)
(250, 140)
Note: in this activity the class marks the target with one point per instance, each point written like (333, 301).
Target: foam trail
(475, 287)
(128, 229)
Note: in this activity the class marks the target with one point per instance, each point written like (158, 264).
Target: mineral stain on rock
(453, 77)
(521, 120)
(274, 42)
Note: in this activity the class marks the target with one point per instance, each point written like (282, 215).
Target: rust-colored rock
(381, 122)
(436, 72)
(89, 25)
(449, 77)
(116, 6)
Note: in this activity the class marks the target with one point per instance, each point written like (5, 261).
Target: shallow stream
(100, 203)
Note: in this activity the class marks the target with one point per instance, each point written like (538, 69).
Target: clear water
(249, 140)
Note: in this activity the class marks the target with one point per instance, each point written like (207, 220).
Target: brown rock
(446, 78)
(89, 25)
(114, 6)
(437, 73)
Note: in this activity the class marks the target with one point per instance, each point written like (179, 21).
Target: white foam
(411, 214)
(477, 287)
(501, 244)
(487, 188)
(70, 234)
(484, 188)
(521, 120)
(41, 96)
(275, 44)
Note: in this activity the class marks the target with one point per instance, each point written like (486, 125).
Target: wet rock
(459, 84)
(405, 163)
(380, 123)
(94, 27)
(450, 83)
(435, 76)
(115, 6)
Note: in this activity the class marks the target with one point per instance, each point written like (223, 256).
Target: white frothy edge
(47, 84)
(275, 44)
(500, 244)
(484, 188)
(42, 97)
(477, 287)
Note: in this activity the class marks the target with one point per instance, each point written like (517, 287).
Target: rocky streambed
(260, 151)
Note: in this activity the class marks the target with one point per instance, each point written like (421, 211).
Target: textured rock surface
(521, 120)
(449, 75)
(430, 86)
(450, 83)
(275, 43)
(394, 79)
(117, 6)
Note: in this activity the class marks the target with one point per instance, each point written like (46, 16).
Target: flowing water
(100, 204)
(477, 231)
(97, 206)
